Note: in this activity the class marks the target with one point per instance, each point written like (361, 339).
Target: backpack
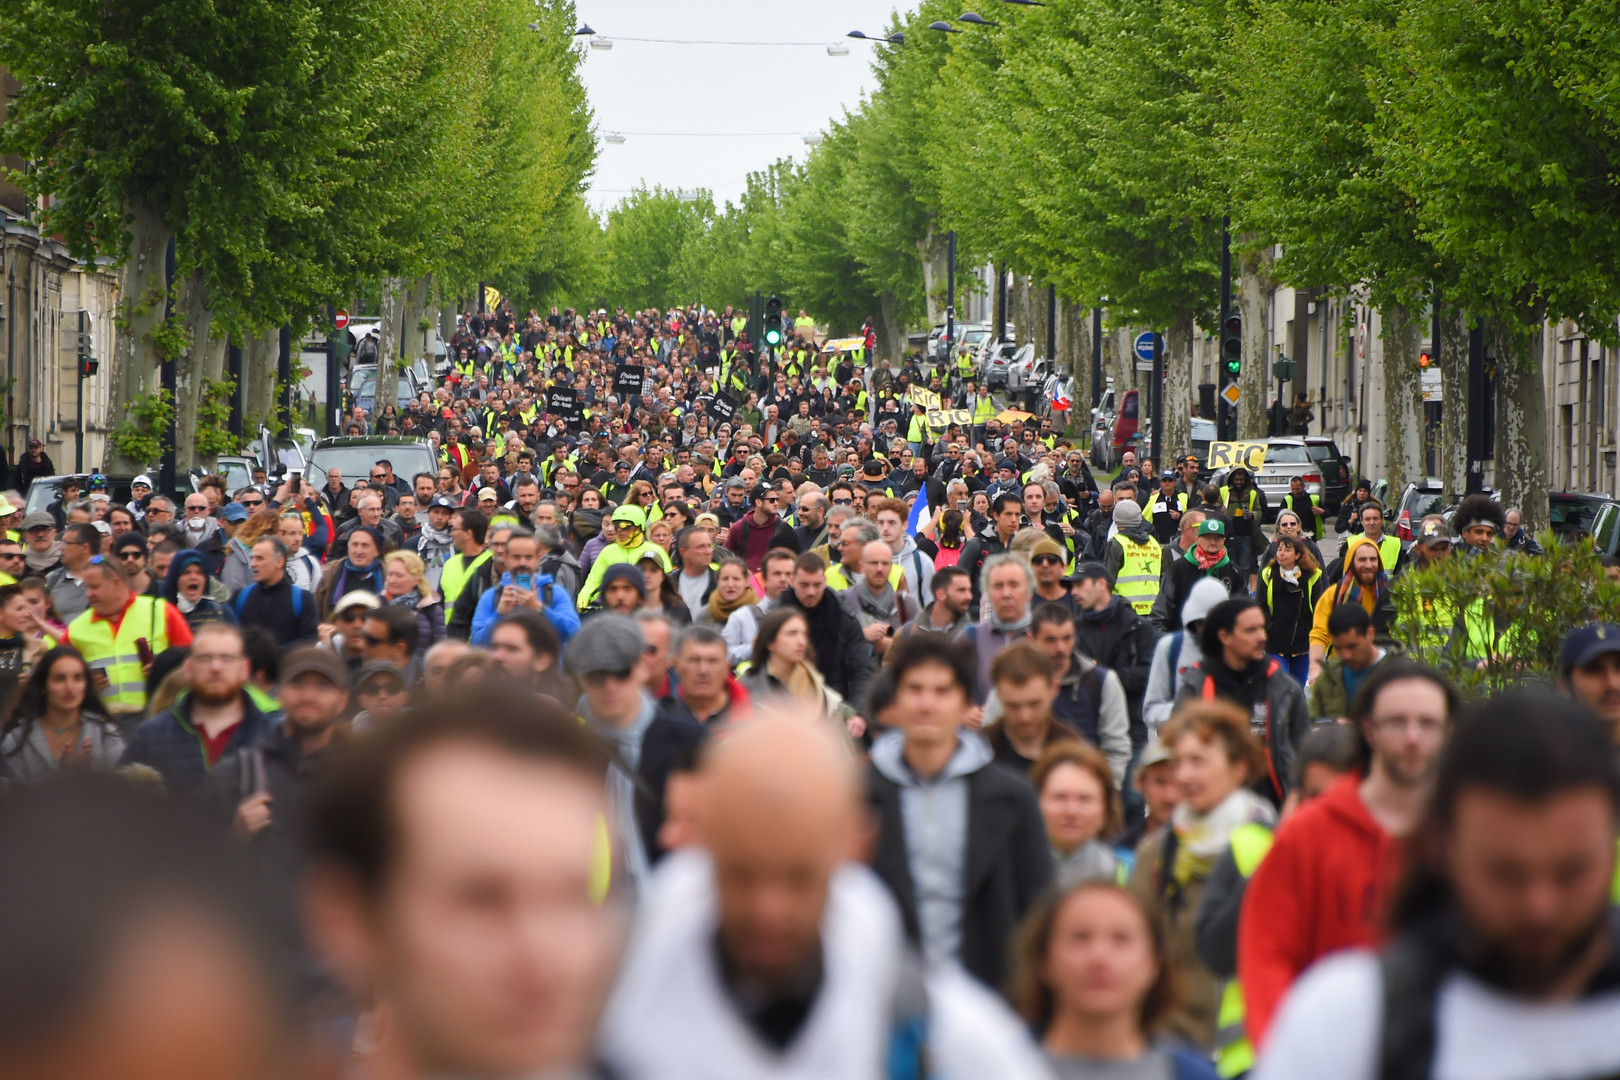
(241, 598)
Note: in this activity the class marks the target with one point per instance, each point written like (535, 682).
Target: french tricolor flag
(1060, 399)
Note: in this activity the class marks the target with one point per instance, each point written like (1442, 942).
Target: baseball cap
(6, 509)
(1212, 527)
(1431, 532)
(321, 661)
(369, 674)
(444, 501)
(39, 519)
(234, 511)
(1088, 570)
(708, 519)
(488, 493)
(873, 467)
(1154, 753)
(1168, 474)
(1585, 644)
(606, 642)
(360, 597)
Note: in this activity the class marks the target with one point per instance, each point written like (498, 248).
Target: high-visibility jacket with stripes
(458, 570)
(1234, 1054)
(1138, 581)
(96, 640)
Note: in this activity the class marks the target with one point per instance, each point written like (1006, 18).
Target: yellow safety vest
(1271, 580)
(984, 411)
(94, 638)
(964, 365)
(1138, 581)
(1152, 504)
(1234, 1055)
(455, 575)
(1389, 550)
(915, 432)
(1254, 500)
(838, 577)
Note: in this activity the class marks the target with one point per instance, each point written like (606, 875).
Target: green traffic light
(773, 337)
(1234, 366)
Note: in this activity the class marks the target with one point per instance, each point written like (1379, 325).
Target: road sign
(341, 319)
(1231, 393)
(1144, 346)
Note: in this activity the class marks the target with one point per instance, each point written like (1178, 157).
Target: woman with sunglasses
(58, 720)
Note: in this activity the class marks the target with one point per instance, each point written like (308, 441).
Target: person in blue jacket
(523, 588)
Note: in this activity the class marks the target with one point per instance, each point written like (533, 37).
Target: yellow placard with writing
(940, 419)
(1227, 455)
(927, 399)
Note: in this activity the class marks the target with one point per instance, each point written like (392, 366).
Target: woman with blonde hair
(404, 586)
(238, 570)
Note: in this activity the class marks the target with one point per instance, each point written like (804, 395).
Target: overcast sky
(774, 93)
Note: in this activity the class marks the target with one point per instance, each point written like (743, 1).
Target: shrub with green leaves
(1495, 621)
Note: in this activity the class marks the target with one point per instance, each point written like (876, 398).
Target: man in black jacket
(260, 788)
(842, 654)
(1108, 630)
(1206, 558)
(272, 600)
(1006, 511)
(960, 841)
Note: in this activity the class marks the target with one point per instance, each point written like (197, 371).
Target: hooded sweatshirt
(918, 569)
(1322, 888)
(935, 816)
(1177, 651)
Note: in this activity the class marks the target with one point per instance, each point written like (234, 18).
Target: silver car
(1286, 459)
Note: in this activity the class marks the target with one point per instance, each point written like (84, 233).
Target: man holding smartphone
(523, 588)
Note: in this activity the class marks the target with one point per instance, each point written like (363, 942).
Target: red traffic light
(1424, 359)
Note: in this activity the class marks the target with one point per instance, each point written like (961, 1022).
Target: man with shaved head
(768, 951)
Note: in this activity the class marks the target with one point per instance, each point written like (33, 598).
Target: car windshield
(1287, 455)
(1321, 451)
(355, 462)
(1574, 515)
(1420, 504)
(1203, 429)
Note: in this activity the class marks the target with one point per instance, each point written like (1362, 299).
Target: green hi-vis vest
(1234, 1055)
(455, 575)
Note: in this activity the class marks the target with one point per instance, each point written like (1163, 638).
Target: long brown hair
(1027, 988)
(1302, 554)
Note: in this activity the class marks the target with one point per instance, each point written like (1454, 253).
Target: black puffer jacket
(842, 651)
(1121, 640)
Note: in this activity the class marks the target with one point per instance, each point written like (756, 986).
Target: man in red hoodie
(757, 532)
(1324, 884)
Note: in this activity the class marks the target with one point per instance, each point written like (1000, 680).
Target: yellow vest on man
(1138, 581)
(455, 575)
(96, 641)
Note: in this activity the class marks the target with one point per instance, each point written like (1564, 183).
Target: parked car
(939, 350)
(363, 388)
(47, 489)
(354, 455)
(1606, 529)
(1574, 515)
(1418, 501)
(1201, 435)
(1335, 469)
(997, 359)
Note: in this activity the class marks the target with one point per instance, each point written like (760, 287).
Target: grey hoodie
(935, 814)
(918, 569)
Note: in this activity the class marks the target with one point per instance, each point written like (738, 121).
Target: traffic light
(86, 347)
(88, 365)
(773, 321)
(1425, 358)
(1232, 345)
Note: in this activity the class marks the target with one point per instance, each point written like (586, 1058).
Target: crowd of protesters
(739, 714)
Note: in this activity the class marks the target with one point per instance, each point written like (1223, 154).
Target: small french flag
(919, 512)
(1060, 399)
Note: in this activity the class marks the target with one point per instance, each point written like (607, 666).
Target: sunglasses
(1047, 560)
(198, 509)
(254, 504)
(843, 502)
(11, 554)
(350, 614)
(132, 554)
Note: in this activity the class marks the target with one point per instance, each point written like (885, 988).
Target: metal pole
(1096, 357)
(949, 359)
(1226, 415)
(1156, 396)
(78, 428)
(1476, 407)
(284, 375)
(1001, 303)
(334, 391)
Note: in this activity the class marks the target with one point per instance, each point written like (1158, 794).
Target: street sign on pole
(1283, 369)
(1231, 393)
(341, 319)
(1144, 346)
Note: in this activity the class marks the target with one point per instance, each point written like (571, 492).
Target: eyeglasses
(350, 614)
(215, 659)
(373, 639)
(842, 502)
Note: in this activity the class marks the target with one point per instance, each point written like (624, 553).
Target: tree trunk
(891, 332)
(259, 356)
(1402, 338)
(393, 299)
(1176, 439)
(1454, 400)
(191, 302)
(1521, 420)
(1254, 297)
(141, 297)
(413, 338)
(932, 252)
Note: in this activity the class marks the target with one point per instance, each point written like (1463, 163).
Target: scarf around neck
(720, 610)
(1204, 560)
(883, 605)
(1019, 625)
(1205, 837)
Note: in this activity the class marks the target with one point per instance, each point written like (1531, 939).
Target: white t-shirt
(692, 590)
(1330, 1024)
